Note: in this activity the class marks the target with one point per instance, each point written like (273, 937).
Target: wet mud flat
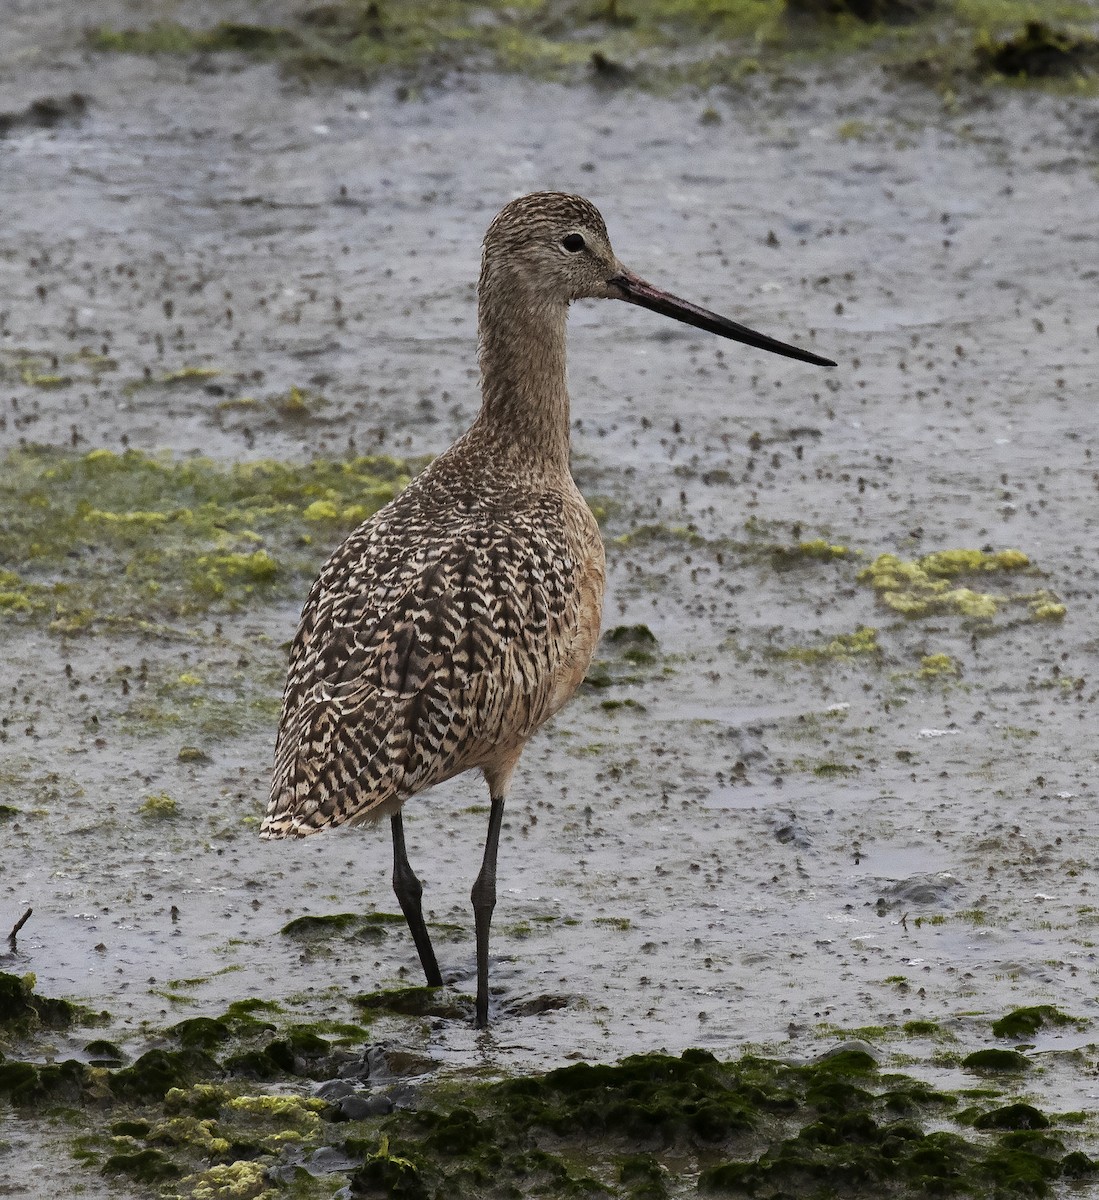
(832, 782)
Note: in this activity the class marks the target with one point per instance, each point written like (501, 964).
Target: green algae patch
(862, 643)
(996, 1060)
(23, 1010)
(938, 666)
(145, 1166)
(930, 586)
(1047, 609)
(634, 643)
(652, 44)
(159, 807)
(100, 539)
(1012, 1116)
(648, 1127)
(630, 653)
(360, 926)
(417, 1002)
(816, 550)
(657, 533)
(157, 1072)
(655, 1125)
(34, 1084)
(1039, 51)
(1023, 1023)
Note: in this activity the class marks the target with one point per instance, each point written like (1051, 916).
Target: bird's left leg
(484, 901)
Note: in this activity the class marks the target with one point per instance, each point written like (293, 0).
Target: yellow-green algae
(159, 806)
(864, 641)
(927, 586)
(816, 549)
(938, 666)
(104, 538)
(649, 42)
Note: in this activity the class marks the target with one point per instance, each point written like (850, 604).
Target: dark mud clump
(1040, 52)
(624, 652)
(168, 38)
(45, 113)
(894, 12)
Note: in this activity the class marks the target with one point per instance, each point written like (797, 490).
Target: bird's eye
(573, 243)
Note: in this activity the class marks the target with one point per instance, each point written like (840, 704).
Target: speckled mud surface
(775, 830)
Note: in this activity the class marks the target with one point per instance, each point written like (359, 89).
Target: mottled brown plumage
(438, 637)
(451, 625)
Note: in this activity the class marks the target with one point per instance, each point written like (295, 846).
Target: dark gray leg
(484, 901)
(409, 890)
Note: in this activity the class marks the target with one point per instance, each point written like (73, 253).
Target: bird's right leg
(409, 890)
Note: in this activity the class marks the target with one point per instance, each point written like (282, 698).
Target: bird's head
(550, 248)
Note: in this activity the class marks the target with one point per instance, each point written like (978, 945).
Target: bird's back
(438, 637)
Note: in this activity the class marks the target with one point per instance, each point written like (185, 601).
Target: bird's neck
(525, 399)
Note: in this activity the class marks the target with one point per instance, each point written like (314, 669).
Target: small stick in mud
(16, 927)
(453, 623)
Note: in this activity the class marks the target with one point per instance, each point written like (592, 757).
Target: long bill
(637, 291)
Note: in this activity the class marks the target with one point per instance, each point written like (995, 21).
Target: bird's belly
(577, 658)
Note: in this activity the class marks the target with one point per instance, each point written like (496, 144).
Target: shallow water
(675, 899)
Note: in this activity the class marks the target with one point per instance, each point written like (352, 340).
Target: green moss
(1012, 1116)
(642, 1129)
(361, 926)
(23, 1010)
(34, 1084)
(631, 635)
(639, 43)
(201, 1033)
(104, 1053)
(241, 1180)
(190, 374)
(128, 1127)
(158, 807)
(1039, 51)
(626, 648)
(938, 666)
(156, 1072)
(757, 1127)
(921, 1028)
(298, 1050)
(1025, 1022)
(996, 1060)
(832, 769)
(98, 539)
(146, 1166)
(416, 1002)
(817, 550)
(864, 641)
(253, 1004)
(1046, 609)
(925, 587)
(644, 535)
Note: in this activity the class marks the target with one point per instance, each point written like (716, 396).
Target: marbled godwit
(447, 628)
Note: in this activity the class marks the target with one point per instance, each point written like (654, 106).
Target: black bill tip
(636, 291)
